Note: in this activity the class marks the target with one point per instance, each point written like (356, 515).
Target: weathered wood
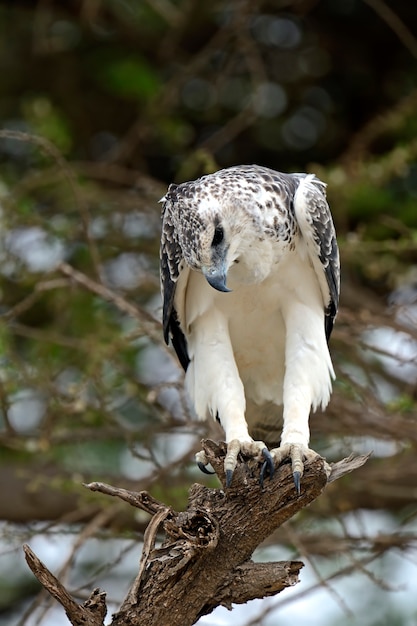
(91, 613)
(205, 558)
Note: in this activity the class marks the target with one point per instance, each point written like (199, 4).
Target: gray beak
(216, 278)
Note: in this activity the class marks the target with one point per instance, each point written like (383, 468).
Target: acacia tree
(88, 390)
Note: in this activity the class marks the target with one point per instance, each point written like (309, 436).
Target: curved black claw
(297, 482)
(203, 468)
(229, 476)
(268, 466)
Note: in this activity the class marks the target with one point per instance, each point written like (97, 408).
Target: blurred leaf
(130, 77)
(46, 120)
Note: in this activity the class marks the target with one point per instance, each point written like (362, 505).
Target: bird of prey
(250, 280)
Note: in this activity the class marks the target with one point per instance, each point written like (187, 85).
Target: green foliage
(129, 77)
(48, 121)
(368, 201)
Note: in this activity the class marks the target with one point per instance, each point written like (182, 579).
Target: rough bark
(36, 490)
(205, 558)
(91, 613)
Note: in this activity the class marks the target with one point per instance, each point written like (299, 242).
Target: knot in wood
(196, 526)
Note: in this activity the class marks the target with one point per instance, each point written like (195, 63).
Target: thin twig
(295, 539)
(149, 325)
(77, 614)
(395, 23)
(31, 299)
(51, 150)
(139, 499)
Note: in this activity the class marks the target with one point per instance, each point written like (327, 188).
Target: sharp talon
(229, 476)
(269, 461)
(297, 482)
(203, 468)
(268, 466)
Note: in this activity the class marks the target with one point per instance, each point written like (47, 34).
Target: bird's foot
(297, 453)
(202, 462)
(255, 449)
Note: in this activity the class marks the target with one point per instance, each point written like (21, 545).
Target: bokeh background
(102, 104)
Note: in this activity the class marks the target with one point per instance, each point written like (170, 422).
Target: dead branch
(205, 558)
(91, 613)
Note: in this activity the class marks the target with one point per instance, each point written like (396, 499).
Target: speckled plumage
(272, 236)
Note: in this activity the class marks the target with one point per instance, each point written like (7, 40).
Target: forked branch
(205, 558)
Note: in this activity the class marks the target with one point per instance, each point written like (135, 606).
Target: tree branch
(91, 613)
(256, 580)
(205, 558)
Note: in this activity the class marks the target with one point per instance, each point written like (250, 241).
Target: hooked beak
(216, 278)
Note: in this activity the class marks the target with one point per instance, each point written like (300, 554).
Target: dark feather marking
(179, 341)
(325, 238)
(171, 261)
(284, 186)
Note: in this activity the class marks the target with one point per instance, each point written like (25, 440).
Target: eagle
(250, 280)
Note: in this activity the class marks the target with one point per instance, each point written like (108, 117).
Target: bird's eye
(218, 236)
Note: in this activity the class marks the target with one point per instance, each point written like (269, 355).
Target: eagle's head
(204, 232)
(216, 225)
(206, 248)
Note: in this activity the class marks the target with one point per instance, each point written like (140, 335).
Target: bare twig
(148, 324)
(395, 23)
(141, 499)
(91, 613)
(347, 465)
(31, 299)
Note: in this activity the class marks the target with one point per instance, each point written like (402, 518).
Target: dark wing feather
(170, 267)
(317, 228)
